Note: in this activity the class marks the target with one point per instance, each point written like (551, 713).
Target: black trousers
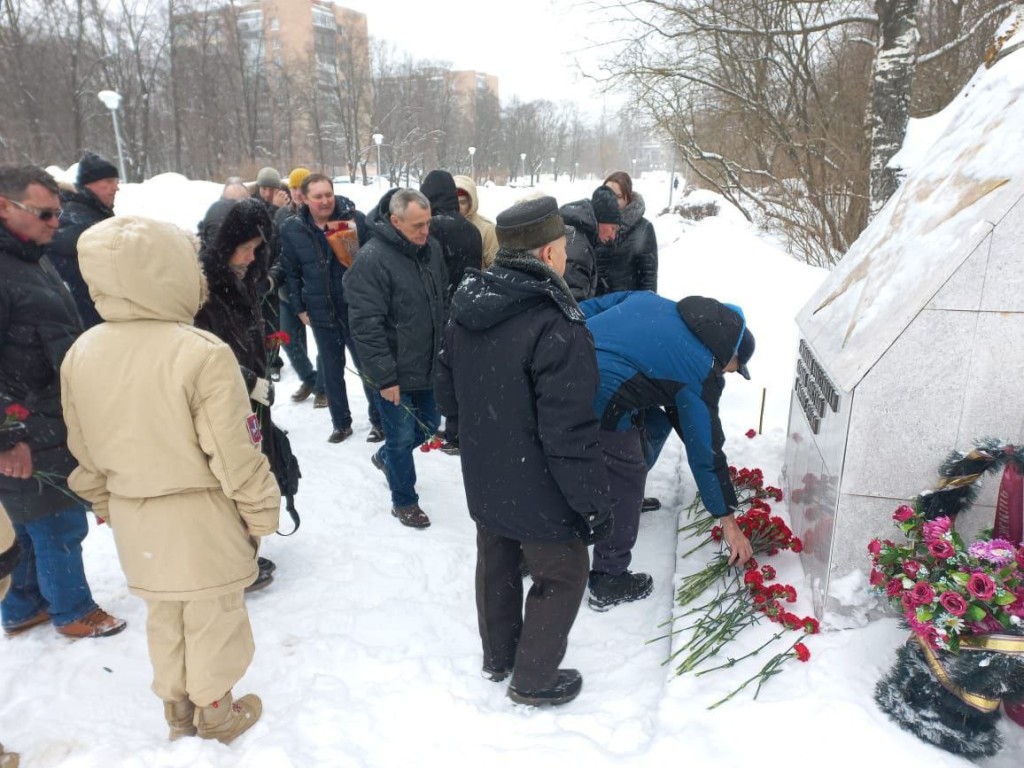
(627, 474)
(535, 642)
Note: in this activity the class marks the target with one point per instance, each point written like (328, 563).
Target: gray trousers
(534, 642)
(627, 474)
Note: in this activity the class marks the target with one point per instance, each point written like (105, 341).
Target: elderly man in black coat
(91, 202)
(518, 369)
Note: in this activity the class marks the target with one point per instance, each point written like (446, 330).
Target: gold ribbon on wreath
(974, 700)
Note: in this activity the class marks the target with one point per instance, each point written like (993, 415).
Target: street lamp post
(576, 174)
(472, 166)
(634, 167)
(522, 159)
(377, 139)
(554, 176)
(112, 100)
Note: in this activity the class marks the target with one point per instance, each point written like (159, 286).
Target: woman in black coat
(635, 261)
(235, 265)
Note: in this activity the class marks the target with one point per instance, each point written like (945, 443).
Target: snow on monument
(914, 345)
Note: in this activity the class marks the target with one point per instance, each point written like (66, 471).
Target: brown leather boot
(179, 716)
(96, 623)
(226, 720)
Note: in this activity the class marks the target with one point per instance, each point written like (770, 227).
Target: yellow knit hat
(296, 177)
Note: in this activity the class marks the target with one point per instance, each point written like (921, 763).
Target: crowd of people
(539, 338)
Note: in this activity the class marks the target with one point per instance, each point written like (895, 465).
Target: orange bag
(344, 241)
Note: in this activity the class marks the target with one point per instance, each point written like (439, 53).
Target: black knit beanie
(93, 167)
(606, 206)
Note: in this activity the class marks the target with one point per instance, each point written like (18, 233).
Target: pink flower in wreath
(934, 530)
(954, 603)
(997, 551)
(941, 550)
(894, 587)
(922, 593)
(981, 586)
(911, 568)
(875, 547)
(877, 578)
(903, 513)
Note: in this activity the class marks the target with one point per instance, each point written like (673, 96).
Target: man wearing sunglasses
(91, 201)
(38, 323)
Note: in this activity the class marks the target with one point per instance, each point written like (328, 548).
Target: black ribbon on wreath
(958, 487)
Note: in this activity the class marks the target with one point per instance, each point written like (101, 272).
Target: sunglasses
(43, 214)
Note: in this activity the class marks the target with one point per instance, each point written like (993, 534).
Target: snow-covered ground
(367, 646)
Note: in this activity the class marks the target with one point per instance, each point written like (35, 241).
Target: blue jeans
(332, 343)
(50, 576)
(406, 427)
(297, 352)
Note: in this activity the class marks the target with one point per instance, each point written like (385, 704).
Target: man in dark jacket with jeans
(518, 369)
(38, 324)
(397, 290)
(314, 274)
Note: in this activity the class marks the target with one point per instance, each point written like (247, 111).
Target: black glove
(595, 527)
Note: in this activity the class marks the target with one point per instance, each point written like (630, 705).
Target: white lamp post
(522, 159)
(377, 139)
(472, 166)
(553, 174)
(634, 167)
(576, 175)
(112, 100)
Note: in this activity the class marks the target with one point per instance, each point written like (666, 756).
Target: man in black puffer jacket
(38, 324)
(518, 369)
(397, 298)
(460, 241)
(91, 202)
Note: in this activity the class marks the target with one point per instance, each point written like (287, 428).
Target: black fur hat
(245, 220)
(529, 224)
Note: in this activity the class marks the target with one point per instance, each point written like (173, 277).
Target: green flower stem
(770, 669)
(733, 662)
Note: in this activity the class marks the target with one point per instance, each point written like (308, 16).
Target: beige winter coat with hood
(159, 421)
(485, 225)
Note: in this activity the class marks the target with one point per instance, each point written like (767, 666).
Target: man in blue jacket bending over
(653, 352)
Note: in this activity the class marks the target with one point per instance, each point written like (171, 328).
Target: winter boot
(179, 716)
(566, 688)
(226, 720)
(650, 504)
(607, 590)
(9, 759)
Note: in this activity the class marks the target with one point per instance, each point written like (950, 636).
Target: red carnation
(796, 545)
(801, 652)
(15, 412)
(811, 626)
(751, 433)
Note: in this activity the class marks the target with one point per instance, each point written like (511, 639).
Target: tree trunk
(895, 60)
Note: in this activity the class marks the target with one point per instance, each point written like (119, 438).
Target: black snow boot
(566, 688)
(607, 590)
